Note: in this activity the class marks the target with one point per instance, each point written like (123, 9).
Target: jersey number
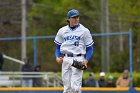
(76, 43)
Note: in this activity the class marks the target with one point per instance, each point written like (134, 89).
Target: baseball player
(74, 42)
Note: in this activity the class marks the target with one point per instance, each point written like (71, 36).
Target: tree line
(45, 17)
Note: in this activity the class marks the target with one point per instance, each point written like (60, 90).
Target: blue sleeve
(89, 52)
(57, 51)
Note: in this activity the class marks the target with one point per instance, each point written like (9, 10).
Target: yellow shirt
(121, 82)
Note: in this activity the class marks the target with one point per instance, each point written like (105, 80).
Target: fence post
(35, 51)
(130, 61)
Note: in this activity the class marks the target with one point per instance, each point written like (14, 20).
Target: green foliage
(47, 16)
(121, 64)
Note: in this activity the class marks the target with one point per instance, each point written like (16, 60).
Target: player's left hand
(80, 65)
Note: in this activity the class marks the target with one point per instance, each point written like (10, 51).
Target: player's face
(74, 21)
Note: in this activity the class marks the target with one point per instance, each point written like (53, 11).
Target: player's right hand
(59, 60)
(86, 62)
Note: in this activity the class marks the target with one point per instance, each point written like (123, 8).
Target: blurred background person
(124, 80)
(27, 67)
(102, 82)
(37, 81)
(110, 81)
(1, 61)
(91, 82)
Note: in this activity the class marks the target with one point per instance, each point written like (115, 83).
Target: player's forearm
(57, 52)
(89, 52)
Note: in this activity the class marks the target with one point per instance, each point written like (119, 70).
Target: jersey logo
(72, 37)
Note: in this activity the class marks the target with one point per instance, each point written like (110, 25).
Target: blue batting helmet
(72, 13)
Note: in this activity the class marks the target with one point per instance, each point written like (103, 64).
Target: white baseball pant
(71, 76)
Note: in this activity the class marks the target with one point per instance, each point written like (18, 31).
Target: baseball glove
(79, 65)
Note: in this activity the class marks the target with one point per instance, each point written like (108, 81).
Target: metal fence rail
(14, 79)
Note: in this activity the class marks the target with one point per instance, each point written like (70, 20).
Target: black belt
(72, 55)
